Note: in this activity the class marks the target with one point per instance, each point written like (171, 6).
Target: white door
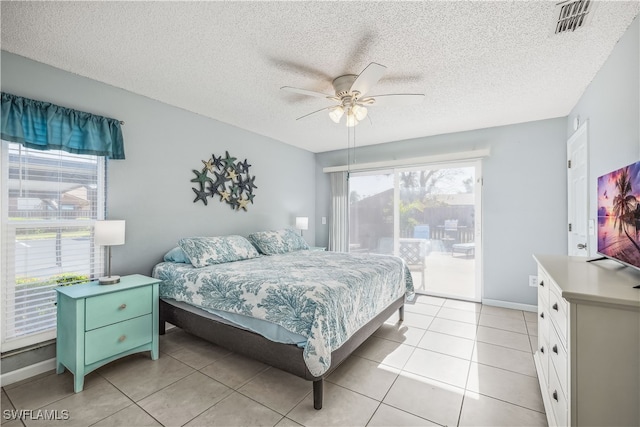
(578, 196)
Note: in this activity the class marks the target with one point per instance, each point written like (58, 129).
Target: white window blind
(50, 202)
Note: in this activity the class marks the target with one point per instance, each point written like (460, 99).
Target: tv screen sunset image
(619, 214)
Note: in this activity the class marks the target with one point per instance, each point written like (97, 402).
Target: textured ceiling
(480, 64)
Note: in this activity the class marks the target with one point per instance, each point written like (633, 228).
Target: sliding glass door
(429, 216)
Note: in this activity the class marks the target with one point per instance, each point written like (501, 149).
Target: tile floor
(449, 363)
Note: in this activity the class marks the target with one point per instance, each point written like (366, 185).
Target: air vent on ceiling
(572, 14)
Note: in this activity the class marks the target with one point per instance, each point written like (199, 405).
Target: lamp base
(110, 280)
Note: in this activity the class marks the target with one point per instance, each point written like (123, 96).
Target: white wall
(524, 196)
(611, 105)
(151, 188)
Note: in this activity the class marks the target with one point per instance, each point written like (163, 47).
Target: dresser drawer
(543, 336)
(114, 339)
(558, 312)
(543, 286)
(558, 401)
(558, 359)
(543, 354)
(118, 306)
(544, 317)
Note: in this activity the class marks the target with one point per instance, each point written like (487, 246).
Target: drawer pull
(542, 283)
(122, 307)
(555, 306)
(555, 349)
(122, 338)
(555, 395)
(542, 349)
(542, 315)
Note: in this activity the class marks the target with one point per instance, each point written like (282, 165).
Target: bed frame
(287, 357)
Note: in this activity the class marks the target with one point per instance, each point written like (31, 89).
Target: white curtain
(339, 219)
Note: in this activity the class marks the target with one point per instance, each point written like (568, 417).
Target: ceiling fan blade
(307, 92)
(368, 78)
(317, 111)
(398, 99)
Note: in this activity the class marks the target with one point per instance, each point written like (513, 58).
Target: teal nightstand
(101, 323)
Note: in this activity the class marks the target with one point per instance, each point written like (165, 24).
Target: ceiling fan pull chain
(354, 146)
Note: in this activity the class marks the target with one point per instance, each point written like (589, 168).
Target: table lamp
(109, 233)
(302, 223)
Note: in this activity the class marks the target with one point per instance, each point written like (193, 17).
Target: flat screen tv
(619, 215)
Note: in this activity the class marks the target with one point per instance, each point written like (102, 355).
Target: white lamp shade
(351, 120)
(359, 111)
(336, 113)
(109, 233)
(302, 223)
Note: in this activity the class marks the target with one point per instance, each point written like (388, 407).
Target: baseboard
(512, 305)
(27, 372)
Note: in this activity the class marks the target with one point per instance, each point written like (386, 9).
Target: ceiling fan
(350, 91)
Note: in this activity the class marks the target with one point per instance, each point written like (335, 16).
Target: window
(50, 201)
(429, 215)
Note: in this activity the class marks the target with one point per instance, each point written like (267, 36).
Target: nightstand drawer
(113, 308)
(114, 339)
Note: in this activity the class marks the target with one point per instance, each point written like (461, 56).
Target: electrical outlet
(533, 281)
(324, 220)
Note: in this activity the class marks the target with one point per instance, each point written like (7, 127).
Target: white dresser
(588, 356)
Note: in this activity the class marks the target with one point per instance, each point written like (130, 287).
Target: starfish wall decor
(226, 178)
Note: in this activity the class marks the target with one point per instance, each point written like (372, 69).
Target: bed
(294, 309)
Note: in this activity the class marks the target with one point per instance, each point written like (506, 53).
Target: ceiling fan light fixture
(351, 90)
(336, 113)
(351, 119)
(359, 111)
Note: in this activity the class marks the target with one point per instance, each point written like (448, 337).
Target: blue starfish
(220, 180)
(240, 181)
(217, 161)
(235, 190)
(250, 197)
(200, 195)
(201, 177)
(213, 189)
(229, 161)
(249, 184)
(243, 166)
(233, 201)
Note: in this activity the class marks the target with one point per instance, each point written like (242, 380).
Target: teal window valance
(45, 126)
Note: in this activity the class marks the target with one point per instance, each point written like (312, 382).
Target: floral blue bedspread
(323, 296)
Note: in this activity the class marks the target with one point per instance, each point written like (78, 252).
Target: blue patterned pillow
(203, 251)
(176, 255)
(278, 242)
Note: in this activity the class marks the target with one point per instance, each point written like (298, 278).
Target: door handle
(582, 246)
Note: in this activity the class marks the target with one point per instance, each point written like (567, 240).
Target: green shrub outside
(64, 279)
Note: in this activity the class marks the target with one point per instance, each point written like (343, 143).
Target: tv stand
(597, 259)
